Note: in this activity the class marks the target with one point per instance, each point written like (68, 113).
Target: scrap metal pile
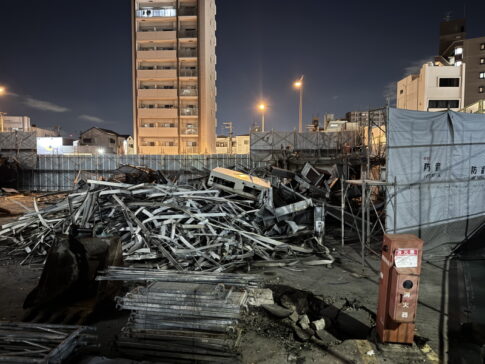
(182, 316)
(181, 227)
(40, 343)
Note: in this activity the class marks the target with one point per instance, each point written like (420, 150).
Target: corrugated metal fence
(58, 172)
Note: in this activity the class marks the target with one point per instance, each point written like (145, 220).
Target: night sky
(68, 63)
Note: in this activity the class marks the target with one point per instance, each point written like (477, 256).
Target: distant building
(378, 117)
(13, 123)
(455, 50)
(341, 125)
(475, 108)
(22, 123)
(240, 144)
(174, 76)
(104, 141)
(436, 87)
(54, 145)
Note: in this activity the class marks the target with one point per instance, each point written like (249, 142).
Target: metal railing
(156, 49)
(188, 33)
(188, 92)
(187, 11)
(155, 29)
(189, 111)
(156, 87)
(151, 106)
(150, 13)
(156, 68)
(188, 73)
(189, 131)
(187, 52)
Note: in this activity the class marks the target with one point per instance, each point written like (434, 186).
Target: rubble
(40, 343)
(182, 227)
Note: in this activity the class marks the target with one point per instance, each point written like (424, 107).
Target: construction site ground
(349, 286)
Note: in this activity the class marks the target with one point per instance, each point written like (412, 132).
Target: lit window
(458, 51)
(482, 60)
(481, 89)
(482, 74)
(482, 46)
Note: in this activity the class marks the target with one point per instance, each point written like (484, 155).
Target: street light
(299, 86)
(3, 91)
(262, 108)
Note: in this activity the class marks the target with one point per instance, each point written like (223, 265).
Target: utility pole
(2, 121)
(228, 126)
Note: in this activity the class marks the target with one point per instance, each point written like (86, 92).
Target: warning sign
(406, 258)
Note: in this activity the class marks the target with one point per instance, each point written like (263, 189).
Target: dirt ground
(347, 286)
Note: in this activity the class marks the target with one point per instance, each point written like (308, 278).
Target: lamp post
(262, 108)
(299, 86)
(3, 91)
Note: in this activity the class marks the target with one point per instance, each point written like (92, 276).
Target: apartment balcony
(188, 111)
(188, 34)
(156, 34)
(171, 150)
(188, 73)
(188, 92)
(156, 13)
(194, 133)
(187, 53)
(188, 11)
(149, 55)
(157, 93)
(158, 132)
(156, 74)
(157, 113)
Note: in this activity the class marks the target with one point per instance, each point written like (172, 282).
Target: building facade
(104, 141)
(174, 76)
(22, 123)
(377, 117)
(240, 144)
(455, 49)
(436, 87)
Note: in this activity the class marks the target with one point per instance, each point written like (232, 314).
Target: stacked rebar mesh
(172, 226)
(182, 316)
(42, 343)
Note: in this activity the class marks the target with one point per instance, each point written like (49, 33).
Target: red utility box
(398, 288)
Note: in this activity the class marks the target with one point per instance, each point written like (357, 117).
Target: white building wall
(414, 92)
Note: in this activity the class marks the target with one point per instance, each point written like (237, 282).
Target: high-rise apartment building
(455, 49)
(174, 76)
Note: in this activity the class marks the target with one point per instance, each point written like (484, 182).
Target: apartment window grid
(188, 68)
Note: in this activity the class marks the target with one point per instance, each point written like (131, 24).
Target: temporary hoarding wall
(436, 162)
(273, 145)
(58, 172)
